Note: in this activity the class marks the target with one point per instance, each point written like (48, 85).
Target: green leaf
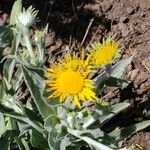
(2, 124)
(7, 84)
(19, 117)
(57, 133)
(50, 122)
(35, 86)
(111, 82)
(38, 140)
(24, 145)
(100, 82)
(115, 109)
(53, 140)
(17, 79)
(104, 115)
(120, 134)
(9, 65)
(32, 115)
(65, 143)
(6, 138)
(114, 82)
(6, 36)
(39, 71)
(119, 68)
(4, 143)
(16, 9)
(112, 78)
(99, 111)
(92, 133)
(2, 91)
(90, 141)
(8, 69)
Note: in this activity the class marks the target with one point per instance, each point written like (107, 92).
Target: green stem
(29, 47)
(41, 54)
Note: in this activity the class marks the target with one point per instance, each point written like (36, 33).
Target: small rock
(145, 5)
(49, 40)
(120, 144)
(53, 48)
(124, 29)
(59, 43)
(129, 69)
(124, 19)
(146, 63)
(146, 113)
(144, 87)
(134, 74)
(2, 22)
(130, 10)
(6, 51)
(142, 77)
(5, 17)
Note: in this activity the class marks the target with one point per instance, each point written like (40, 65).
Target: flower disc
(70, 77)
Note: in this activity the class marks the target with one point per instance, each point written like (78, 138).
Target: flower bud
(28, 17)
(80, 115)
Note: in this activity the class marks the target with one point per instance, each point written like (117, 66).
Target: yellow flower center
(70, 82)
(104, 53)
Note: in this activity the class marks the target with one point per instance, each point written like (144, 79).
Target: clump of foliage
(63, 110)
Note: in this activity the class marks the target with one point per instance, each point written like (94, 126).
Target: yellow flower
(102, 54)
(70, 77)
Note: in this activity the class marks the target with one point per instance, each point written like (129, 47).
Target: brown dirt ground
(127, 21)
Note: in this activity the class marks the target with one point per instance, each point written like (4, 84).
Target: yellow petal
(76, 100)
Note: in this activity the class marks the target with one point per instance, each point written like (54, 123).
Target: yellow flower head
(102, 54)
(70, 77)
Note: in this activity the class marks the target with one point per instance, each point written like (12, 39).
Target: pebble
(134, 74)
(124, 29)
(49, 40)
(5, 17)
(2, 22)
(144, 5)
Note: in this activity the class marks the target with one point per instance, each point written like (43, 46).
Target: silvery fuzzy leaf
(16, 9)
(6, 36)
